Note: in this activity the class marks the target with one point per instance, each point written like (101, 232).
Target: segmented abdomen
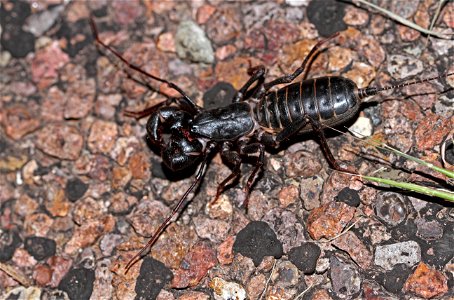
(330, 100)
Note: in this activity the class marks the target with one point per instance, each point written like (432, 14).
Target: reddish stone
(288, 195)
(321, 295)
(350, 243)
(57, 205)
(24, 205)
(59, 266)
(19, 120)
(408, 34)
(200, 259)
(121, 203)
(37, 224)
(431, 130)
(80, 97)
(225, 251)
(147, 216)
(224, 25)
(127, 12)
(426, 282)
(106, 105)
(448, 14)
(46, 64)
(355, 16)
(339, 58)
(52, 105)
(120, 177)
(60, 140)
(166, 42)
(225, 51)
(204, 13)
(88, 233)
(328, 220)
(86, 210)
(139, 165)
(23, 259)
(192, 295)
(102, 136)
(361, 73)
(42, 274)
(256, 286)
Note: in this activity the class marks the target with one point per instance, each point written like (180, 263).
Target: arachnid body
(188, 135)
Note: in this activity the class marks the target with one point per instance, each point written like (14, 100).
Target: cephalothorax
(187, 135)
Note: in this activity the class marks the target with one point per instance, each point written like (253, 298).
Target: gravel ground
(81, 191)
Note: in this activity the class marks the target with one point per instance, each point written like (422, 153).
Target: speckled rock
(192, 43)
(345, 278)
(46, 64)
(38, 224)
(88, 233)
(147, 216)
(75, 189)
(225, 251)
(426, 282)
(387, 256)
(60, 140)
(310, 190)
(59, 267)
(87, 209)
(200, 259)
(9, 241)
(329, 220)
(102, 136)
(357, 250)
(19, 120)
(289, 230)
(214, 230)
(227, 290)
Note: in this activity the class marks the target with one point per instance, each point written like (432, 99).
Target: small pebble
(349, 196)
(153, 276)
(75, 189)
(227, 290)
(328, 220)
(426, 282)
(327, 16)
(9, 242)
(256, 241)
(39, 247)
(60, 140)
(194, 267)
(78, 283)
(355, 247)
(362, 127)
(305, 257)
(310, 190)
(345, 278)
(388, 256)
(102, 136)
(192, 43)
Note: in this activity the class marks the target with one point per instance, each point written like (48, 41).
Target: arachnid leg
(318, 129)
(182, 103)
(172, 85)
(257, 74)
(248, 150)
(290, 77)
(163, 226)
(233, 158)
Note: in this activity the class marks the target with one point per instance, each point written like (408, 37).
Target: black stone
(305, 257)
(78, 283)
(349, 197)
(75, 189)
(39, 247)
(221, 94)
(394, 280)
(327, 16)
(9, 242)
(15, 40)
(256, 241)
(154, 275)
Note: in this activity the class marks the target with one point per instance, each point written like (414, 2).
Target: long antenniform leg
(157, 234)
(188, 101)
(290, 77)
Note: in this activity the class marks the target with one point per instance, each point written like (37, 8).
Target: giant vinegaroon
(245, 127)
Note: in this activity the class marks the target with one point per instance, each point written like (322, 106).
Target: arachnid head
(181, 152)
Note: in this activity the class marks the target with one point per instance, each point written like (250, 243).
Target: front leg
(257, 74)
